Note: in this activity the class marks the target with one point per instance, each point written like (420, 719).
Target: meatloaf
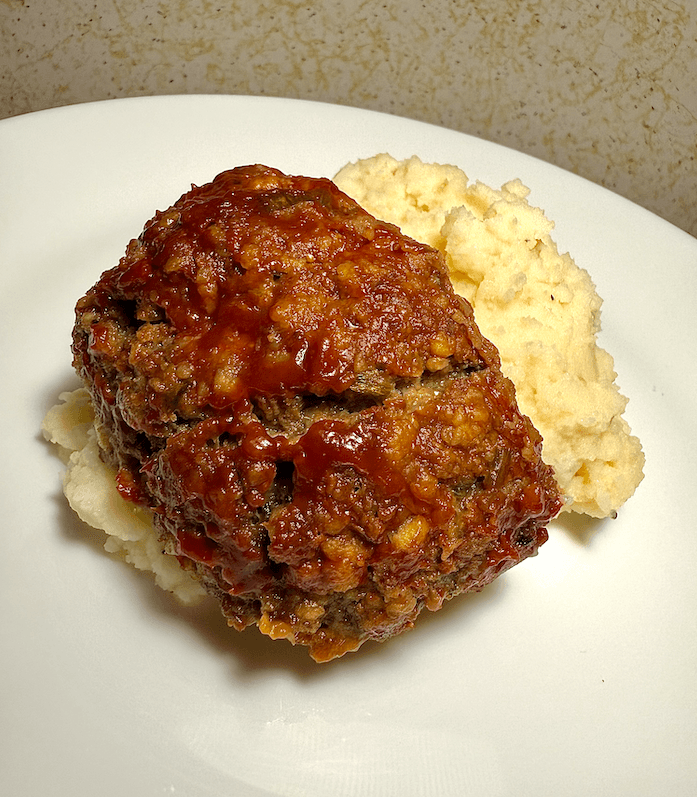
(323, 436)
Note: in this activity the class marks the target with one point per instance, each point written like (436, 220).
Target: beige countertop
(605, 90)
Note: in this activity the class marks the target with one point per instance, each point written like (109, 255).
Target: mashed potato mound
(90, 487)
(536, 305)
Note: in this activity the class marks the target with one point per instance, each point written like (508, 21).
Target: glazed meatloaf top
(323, 435)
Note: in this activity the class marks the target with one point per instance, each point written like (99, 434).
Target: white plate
(574, 674)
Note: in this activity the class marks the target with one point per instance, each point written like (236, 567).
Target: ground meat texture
(324, 437)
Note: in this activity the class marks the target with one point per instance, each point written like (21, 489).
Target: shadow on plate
(70, 381)
(580, 528)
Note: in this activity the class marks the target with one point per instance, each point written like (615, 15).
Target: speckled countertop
(606, 90)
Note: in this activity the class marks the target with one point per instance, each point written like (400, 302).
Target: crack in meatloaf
(324, 437)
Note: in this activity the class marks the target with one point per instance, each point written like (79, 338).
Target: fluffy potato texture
(90, 487)
(534, 303)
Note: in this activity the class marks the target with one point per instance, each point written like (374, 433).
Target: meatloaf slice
(324, 437)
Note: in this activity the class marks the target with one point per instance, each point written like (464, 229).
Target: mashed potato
(90, 487)
(537, 306)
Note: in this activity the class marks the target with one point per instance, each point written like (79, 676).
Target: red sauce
(310, 410)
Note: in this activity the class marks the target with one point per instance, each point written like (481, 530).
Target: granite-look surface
(606, 90)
